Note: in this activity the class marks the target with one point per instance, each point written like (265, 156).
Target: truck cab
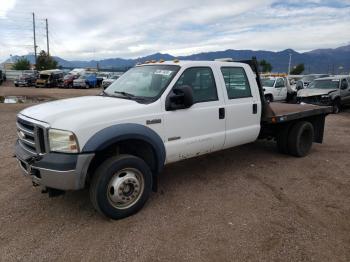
(118, 142)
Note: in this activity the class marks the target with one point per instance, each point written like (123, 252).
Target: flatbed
(283, 112)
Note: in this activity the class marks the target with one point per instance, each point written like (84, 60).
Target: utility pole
(34, 38)
(290, 62)
(47, 37)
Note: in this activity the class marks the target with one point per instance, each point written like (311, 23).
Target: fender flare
(116, 133)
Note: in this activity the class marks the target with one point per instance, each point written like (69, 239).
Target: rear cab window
(236, 82)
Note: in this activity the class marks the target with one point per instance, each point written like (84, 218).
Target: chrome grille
(31, 136)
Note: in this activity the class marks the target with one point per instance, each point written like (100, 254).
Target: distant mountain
(316, 61)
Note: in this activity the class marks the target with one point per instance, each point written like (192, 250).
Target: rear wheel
(300, 139)
(121, 185)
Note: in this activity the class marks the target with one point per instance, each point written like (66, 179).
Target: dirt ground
(244, 204)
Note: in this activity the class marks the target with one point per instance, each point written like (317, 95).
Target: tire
(268, 98)
(16, 85)
(336, 106)
(300, 139)
(113, 176)
(282, 140)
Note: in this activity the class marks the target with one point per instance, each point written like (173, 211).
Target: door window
(236, 81)
(202, 82)
(279, 83)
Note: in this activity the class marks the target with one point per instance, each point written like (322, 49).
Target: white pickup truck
(275, 88)
(117, 143)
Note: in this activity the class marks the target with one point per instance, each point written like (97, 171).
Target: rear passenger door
(199, 129)
(243, 106)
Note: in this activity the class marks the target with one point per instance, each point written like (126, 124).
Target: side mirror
(344, 86)
(179, 98)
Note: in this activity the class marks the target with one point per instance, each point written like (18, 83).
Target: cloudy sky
(86, 30)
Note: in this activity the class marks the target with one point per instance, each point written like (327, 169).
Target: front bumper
(79, 84)
(54, 170)
(21, 82)
(315, 100)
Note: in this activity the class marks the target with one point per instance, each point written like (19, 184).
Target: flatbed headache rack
(275, 113)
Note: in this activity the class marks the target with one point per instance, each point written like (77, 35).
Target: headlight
(63, 141)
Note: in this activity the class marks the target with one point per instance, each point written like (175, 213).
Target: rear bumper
(54, 170)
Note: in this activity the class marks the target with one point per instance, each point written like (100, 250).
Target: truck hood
(72, 113)
(315, 92)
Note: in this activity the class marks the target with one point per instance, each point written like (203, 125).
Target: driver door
(199, 129)
(281, 89)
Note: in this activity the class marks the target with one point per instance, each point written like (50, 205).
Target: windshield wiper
(133, 97)
(128, 95)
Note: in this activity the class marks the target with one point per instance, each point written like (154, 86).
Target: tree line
(43, 62)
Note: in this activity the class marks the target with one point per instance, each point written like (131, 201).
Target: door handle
(221, 113)
(255, 109)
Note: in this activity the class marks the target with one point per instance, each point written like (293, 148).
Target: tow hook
(52, 192)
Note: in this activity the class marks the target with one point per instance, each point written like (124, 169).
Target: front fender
(120, 132)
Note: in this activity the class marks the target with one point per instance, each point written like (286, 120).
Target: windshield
(44, 76)
(67, 77)
(143, 81)
(268, 82)
(325, 84)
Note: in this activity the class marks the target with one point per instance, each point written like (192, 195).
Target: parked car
(107, 82)
(275, 88)
(329, 91)
(307, 79)
(68, 80)
(118, 142)
(49, 78)
(85, 81)
(26, 79)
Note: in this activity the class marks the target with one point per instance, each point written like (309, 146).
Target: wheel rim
(125, 188)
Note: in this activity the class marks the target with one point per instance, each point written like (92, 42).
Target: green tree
(45, 62)
(297, 70)
(21, 64)
(265, 66)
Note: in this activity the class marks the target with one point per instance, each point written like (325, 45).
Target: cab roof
(193, 63)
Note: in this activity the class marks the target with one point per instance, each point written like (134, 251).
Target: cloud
(6, 6)
(92, 30)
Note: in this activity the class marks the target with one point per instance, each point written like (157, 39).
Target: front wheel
(268, 98)
(336, 106)
(121, 186)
